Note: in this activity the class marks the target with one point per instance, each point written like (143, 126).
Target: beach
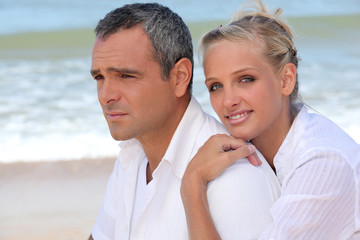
(56, 200)
(56, 153)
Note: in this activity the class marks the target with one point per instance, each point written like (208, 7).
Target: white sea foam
(49, 109)
(57, 146)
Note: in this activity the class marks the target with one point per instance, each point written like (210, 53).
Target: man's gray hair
(169, 34)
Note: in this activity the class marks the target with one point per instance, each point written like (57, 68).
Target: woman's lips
(238, 117)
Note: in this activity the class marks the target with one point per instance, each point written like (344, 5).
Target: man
(142, 61)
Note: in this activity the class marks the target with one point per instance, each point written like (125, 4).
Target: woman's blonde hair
(274, 32)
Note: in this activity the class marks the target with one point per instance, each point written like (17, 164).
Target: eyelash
(98, 77)
(212, 86)
(101, 77)
(247, 79)
(126, 76)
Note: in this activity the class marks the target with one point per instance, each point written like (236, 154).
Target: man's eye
(127, 76)
(98, 77)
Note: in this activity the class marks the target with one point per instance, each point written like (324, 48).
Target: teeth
(238, 116)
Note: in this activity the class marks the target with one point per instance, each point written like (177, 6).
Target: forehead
(223, 50)
(255, 44)
(123, 47)
(229, 57)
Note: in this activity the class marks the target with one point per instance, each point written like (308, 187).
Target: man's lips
(238, 116)
(112, 116)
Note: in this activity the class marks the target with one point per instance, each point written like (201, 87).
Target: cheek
(216, 103)
(98, 89)
(262, 94)
(269, 105)
(156, 98)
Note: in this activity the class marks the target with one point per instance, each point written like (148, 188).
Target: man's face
(136, 101)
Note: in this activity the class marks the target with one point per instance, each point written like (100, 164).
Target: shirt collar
(181, 145)
(285, 154)
(130, 151)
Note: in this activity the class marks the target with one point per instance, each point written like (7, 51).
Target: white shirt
(143, 194)
(242, 189)
(318, 166)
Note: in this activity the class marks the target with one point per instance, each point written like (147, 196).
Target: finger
(241, 152)
(245, 151)
(254, 159)
(230, 143)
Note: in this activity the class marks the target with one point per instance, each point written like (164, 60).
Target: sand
(51, 200)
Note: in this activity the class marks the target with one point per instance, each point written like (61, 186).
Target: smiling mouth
(238, 116)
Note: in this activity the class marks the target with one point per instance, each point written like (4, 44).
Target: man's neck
(155, 145)
(155, 151)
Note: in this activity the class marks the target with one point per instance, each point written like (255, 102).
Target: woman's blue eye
(215, 87)
(247, 79)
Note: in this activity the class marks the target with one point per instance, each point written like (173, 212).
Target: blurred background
(48, 102)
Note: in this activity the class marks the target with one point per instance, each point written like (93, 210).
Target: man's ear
(181, 74)
(288, 79)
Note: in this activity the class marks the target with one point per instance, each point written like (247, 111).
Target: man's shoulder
(205, 122)
(212, 125)
(242, 173)
(242, 195)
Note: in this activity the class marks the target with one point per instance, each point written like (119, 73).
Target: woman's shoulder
(316, 139)
(316, 134)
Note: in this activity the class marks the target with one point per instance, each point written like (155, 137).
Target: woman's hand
(218, 153)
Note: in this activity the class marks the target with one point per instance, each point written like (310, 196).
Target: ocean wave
(49, 108)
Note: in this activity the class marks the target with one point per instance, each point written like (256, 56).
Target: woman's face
(245, 91)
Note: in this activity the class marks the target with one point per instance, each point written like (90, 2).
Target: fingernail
(251, 148)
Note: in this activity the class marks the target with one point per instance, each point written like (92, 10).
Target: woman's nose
(231, 97)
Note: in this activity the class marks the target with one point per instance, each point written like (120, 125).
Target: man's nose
(108, 92)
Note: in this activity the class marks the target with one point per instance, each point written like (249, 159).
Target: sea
(48, 103)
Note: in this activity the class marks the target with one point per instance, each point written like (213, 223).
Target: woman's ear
(288, 79)
(181, 74)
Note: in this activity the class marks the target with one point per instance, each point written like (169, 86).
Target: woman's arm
(194, 197)
(217, 154)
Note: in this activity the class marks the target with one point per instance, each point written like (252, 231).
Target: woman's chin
(245, 137)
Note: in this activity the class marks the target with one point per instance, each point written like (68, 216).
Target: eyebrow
(95, 72)
(234, 73)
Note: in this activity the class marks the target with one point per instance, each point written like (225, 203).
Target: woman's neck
(270, 141)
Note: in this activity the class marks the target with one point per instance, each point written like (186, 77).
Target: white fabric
(164, 215)
(240, 200)
(318, 166)
(144, 192)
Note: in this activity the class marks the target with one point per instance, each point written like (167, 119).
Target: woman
(250, 67)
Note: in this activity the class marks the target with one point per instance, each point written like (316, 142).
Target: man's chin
(121, 136)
